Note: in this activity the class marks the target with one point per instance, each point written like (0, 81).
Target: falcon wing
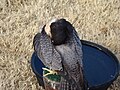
(78, 47)
(46, 51)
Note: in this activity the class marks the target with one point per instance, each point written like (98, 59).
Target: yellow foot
(50, 72)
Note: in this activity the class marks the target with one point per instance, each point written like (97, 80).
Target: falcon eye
(52, 41)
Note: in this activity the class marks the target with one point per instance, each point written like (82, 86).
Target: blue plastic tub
(101, 67)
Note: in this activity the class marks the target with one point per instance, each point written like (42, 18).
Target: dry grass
(95, 20)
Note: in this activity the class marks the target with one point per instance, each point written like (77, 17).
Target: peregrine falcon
(59, 48)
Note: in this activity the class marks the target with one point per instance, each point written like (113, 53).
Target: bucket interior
(101, 67)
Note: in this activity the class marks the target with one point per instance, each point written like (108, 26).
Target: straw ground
(20, 20)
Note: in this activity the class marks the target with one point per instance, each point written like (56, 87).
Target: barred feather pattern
(71, 53)
(46, 51)
(66, 57)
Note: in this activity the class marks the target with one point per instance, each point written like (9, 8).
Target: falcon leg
(50, 72)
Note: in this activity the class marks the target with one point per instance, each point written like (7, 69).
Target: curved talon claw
(50, 72)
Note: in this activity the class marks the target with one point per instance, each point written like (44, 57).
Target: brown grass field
(95, 20)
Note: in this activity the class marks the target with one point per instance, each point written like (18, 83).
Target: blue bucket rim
(92, 44)
(108, 52)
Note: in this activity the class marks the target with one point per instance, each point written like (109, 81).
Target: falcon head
(58, 30)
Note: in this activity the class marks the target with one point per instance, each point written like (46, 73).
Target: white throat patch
(47, 27)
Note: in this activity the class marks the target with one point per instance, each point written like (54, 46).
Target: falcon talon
(50, 72)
